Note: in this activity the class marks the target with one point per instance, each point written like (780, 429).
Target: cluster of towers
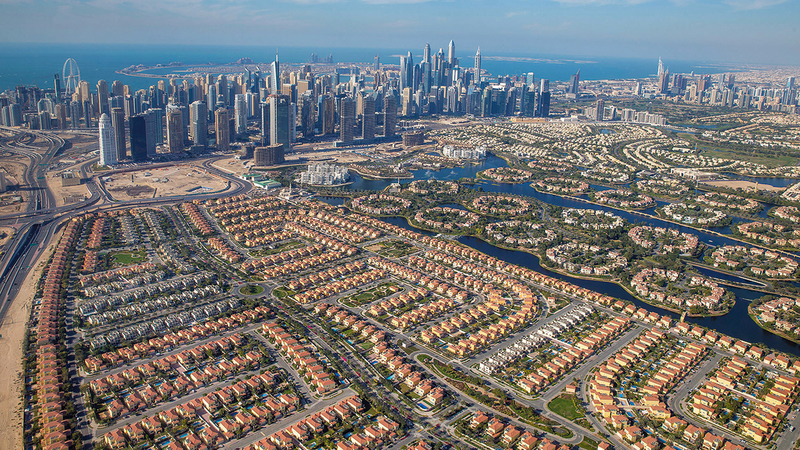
(438, 84)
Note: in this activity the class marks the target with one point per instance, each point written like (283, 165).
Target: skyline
(720, 30)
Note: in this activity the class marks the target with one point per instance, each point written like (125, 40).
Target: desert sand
(744, 185)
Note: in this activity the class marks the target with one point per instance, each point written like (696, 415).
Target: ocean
(35, 64)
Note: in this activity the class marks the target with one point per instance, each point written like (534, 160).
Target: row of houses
(225, 250)
(205, 429)
(169, 340)
(282, 257)
(126, 283)
(569, 357)
(346, 283)
(511, 436)
(338, 221)
(303, 355)
(95, 305)
(378, 433)
(534, 340)
(197, 218)
(48, 406)
(408, 374)
(163, 323)
(763, 414)
(94, 318)
(613, 408)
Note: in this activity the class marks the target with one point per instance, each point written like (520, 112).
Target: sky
(742, 31)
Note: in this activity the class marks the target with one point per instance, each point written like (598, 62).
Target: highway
(42, 219)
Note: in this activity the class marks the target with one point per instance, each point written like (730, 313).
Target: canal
(737, 323)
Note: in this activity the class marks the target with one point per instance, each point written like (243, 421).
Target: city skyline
(722, 30)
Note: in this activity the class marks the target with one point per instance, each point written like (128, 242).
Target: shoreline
(754, 318)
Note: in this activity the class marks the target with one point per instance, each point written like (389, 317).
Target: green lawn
(567, 406)
(588, 444)
(251, 289)
(126, 258)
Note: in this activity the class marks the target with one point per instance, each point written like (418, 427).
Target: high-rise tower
(108, 148)
(240, 111)
(102, 96)
(174, 129)
(118, 122)
(346, 118)
(275, 80)
(279, 121)
(368, 116)
(198, 125)
(222, 122)
(478, 67)
(451, 53)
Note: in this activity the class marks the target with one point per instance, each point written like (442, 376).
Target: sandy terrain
(9, 232)
(14, 168)
(61, 192)
(180, 180)
(12, 331)
(744, 185)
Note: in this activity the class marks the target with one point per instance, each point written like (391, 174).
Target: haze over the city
(748, 31)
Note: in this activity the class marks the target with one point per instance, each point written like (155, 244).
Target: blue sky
(758, 31)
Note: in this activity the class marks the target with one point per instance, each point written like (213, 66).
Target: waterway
(736, 323)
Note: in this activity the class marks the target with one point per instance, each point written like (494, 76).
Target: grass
(588, 444)
(251, 289)
(567, 406)
(126, 258)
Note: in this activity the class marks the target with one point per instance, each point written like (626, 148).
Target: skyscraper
(222, 89)
(389, 114)
(543, 100)
(118, 121)
(279, 121)
(660, 67)
(222, 119)
(275, 79)
(451, 53)
(368, 120)
(264, 106)
(406, 71)
(574, 83)
(240, 111)
(346, 118)
(376, 63)
(199, 123)
(327, 114)
(530, 80)
(102, 96)
(75, 114)
(426, 53)
(108, 148)
(308, 114)
(57, 86)
(478, 67)
(138, 126)
(61, 115)
(174, 129)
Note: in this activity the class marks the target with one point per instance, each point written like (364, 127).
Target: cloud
(394, 2)
(747, 5)
(601, 2)
(511, 14)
